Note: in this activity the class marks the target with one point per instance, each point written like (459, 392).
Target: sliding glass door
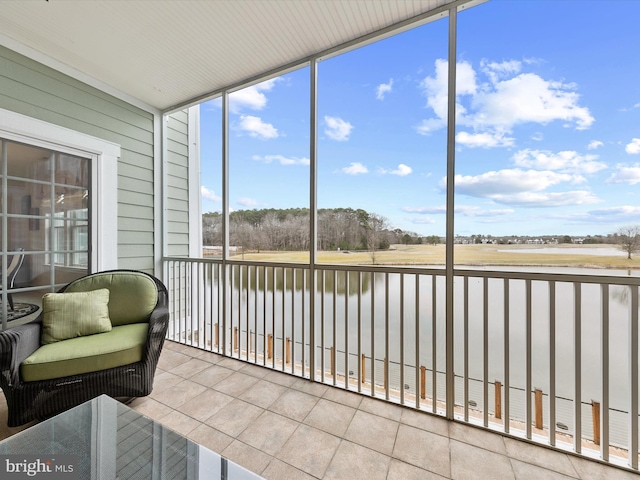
(45, 223)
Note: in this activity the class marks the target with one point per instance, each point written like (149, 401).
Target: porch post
(451, 134)
(225, 216)
(313, 214)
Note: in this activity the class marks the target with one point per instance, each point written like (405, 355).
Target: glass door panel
(44, 210)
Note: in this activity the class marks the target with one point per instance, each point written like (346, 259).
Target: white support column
(159, 192)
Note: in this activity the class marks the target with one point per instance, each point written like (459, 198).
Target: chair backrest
(132, 295)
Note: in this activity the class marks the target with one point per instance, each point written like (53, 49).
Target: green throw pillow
(70, 315)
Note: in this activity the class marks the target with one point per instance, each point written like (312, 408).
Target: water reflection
(277, 279)
(621, 294)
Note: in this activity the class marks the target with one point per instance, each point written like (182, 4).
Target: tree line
(349, 229)
(288, 229)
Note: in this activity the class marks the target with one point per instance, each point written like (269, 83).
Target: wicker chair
(40, 399)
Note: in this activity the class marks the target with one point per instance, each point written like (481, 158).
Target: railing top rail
(319, 266)
(549, 277)
(413, 269)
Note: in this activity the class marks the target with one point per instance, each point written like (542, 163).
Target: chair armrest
(16, 344)
(158, 324)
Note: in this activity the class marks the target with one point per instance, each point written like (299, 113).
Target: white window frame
(104, 157)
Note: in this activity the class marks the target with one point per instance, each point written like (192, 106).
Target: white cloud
(502, 68)
(247, 202)
(465, 210)
(484, 140)
(422, 220)
(282, 160)
(257, 128)
(337, 128)
(508, 98)
(425, 127)
(528, 98)
(567, 161)
(435, 88)
(547, 199)
(473, 211)
(522, 187)
(355, 168)
(633, 148)
(626, 174)
(402, 170)
(383, 89)
(508, 181)
(625, 213)
(432, 210)
(495, 70)
(537, 137)
(480, 212)
(209, 194)
(252, 97)
(626, 109)
(594, 144)
(615, 214)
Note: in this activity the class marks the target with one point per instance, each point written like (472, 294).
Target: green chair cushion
(133, 295)
(121, 346)
(70, 315)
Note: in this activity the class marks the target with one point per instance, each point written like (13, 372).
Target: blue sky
(547, 138)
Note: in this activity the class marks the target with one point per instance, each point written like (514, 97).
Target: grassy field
(579, 256)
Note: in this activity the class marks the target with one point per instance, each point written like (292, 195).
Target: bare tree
(271, 227)
(374, 227)
(212, 229)
(629, 239)
(240, 235)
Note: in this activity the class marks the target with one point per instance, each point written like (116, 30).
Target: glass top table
(104, 439)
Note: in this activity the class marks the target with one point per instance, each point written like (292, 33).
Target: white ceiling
(165, 53)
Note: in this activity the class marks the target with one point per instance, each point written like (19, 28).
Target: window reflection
(44, 204)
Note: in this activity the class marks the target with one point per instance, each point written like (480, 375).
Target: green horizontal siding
(128, 198)
(137, 211)
(77, 89)
(176, 216)
(135, 239)
(35, 90)
(179, 198)
(176, 170)
(177, 185)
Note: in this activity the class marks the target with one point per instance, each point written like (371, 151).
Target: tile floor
(284, 427)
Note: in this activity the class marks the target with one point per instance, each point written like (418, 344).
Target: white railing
(555, 354)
